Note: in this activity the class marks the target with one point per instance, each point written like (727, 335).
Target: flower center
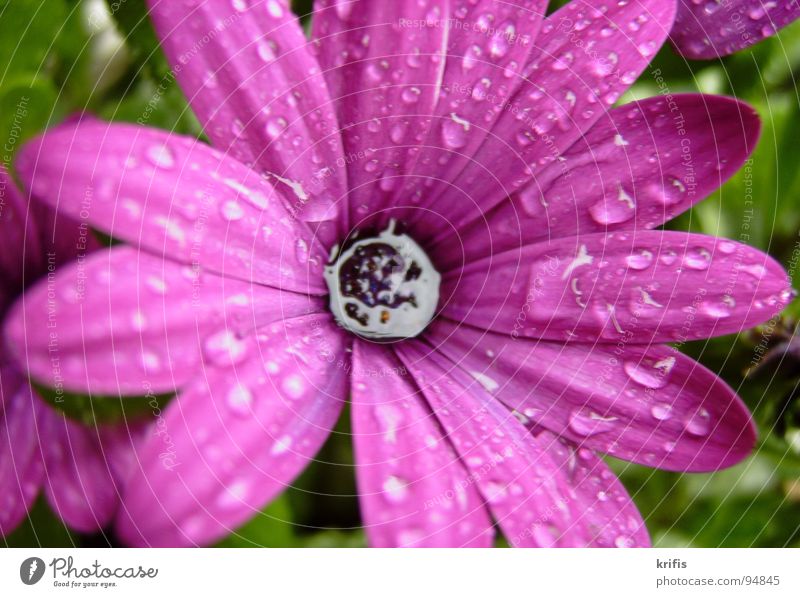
(383, 287)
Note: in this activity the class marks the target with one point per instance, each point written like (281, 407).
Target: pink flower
(392, 142)
(80, 467)
(711, 29)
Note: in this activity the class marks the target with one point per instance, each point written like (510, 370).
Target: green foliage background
(56, 60)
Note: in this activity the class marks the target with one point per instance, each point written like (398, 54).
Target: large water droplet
(411, 95)
(231, 211)
(395, 489)
(716, 309)
(224, 348)
(454, 132)
(586, 422)
(661, 412)
(276, 126)
(697, 258)
(698, 423)
(613, 210)
(240, 399)
(639, 260)
(653, 375)
(161, 156)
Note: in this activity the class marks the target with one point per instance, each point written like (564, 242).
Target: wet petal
(383, 62)
(253, 82)
(648, 286)
(709, 29)
(176, 197)
(524, 489)
(605, 505)
(126, 322)
(586, 55)
(78, 478)
(20, 459)
(650, 405)
(489, 44)
(644, 164)
(413, 489)
(237, 437)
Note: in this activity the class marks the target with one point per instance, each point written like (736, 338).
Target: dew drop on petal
(395, 489)
(661, 412)
(639, 260)
(698, 423)
(161, 156)
(648, 374)
(586, 422)
(240, 399)
(697, 258)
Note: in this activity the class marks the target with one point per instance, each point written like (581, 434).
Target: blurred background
(59, 57)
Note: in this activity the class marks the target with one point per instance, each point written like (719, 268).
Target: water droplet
(623, 542)
(698, 423)
(639, 260)
(161, 156)
(471, 57)
(718, 310)
(395, 489)
(276, 126)
(224, 348)
(661, 412)
(586, 422)
(398, 132)
(301, 251)
(294, 386)
(231, 211)
(495, 492)
(454, 132)
(411, 95)
(650, 374)
(613, 210)
(668, 257)
(240, 399)
(697, 258)
(267, 51)
(274, 8)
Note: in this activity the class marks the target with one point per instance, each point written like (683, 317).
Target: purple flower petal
(692, 144)
(604, 503)
(524, 489)
(710, 30)
(641, 287)
(489, 44)
(126, 322)
(383, 62)
(173, 196)
(650, 405)
(237, 436)
(20, 459)
(413, 489)
(569, 87)
(253, 82)
(78, 479)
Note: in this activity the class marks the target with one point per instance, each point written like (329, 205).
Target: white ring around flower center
(383, 287)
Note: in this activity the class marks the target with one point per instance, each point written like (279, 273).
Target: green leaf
(134, 23)
(26, 107)
(42, 528)
(28, 29)
(93, 410)
(270, 528)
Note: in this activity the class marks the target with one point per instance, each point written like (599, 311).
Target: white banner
(401, 573)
